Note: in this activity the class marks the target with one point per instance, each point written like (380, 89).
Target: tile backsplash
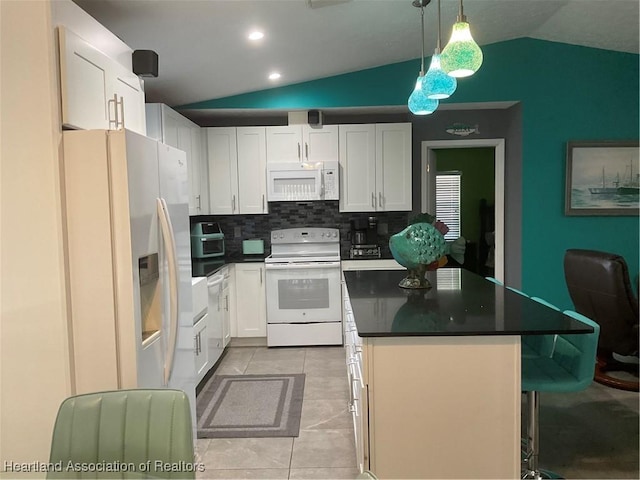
(301, 214)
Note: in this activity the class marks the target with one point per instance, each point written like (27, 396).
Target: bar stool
(565, 363)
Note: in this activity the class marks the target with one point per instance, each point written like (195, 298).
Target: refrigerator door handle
(170, 250)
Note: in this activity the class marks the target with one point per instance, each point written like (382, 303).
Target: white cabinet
(200, 348)
(201, 319)
(237, 170)
(251, 311)
(96, 91)
(225, 304)
(168, 126)
(375, 167)
(302, 143)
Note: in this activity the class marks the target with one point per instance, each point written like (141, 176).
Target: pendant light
(462, 56)
(437, 84)
(418, 102)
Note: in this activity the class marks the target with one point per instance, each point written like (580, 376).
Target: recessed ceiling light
(274, 76)
(256, 35)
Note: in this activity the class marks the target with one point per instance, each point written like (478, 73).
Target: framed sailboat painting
(602, 178)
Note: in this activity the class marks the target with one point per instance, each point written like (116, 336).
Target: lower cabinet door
(200, 348)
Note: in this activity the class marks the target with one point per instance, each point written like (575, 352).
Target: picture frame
(602, 178)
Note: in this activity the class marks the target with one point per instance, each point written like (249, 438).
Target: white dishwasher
(215, 337)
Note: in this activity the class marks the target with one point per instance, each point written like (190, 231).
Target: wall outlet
(237, 232)
(383, 229)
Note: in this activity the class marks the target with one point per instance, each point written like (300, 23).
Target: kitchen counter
(435, 374)
(209, 266)
(459, 303)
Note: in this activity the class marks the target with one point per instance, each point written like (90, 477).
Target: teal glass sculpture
(462, 56)
(416, 247)
(418, 103)
(436, 84)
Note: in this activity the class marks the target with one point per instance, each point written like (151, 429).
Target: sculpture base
(415, 279)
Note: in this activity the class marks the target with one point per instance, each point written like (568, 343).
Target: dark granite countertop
(460, 302)
(208, 266)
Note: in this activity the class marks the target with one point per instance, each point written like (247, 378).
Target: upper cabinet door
(393, 166)
(252, 169)
(223, 170)
(96, 91)
(284, 144)
(357, 168)
(129, 98)
(320, 144)
(83, 83)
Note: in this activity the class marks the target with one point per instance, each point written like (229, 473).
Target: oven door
(304, 292)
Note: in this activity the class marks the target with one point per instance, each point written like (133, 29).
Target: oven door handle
(301, 265)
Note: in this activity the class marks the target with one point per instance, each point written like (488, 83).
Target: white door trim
(428, 182)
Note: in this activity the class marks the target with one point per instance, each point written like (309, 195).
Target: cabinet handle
(373, 200)
(263, 202)
(380, 199)
(299, 156)
(233, 204)
(198, 198)
(122, 111)
(306, 150)
(261, 276)
(227, 301)
(113, 101)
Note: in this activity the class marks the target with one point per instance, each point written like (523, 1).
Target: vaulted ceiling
(204, 52)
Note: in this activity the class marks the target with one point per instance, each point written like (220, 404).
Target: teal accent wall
(566, 92)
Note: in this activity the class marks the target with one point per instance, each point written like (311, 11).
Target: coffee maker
(364, 238)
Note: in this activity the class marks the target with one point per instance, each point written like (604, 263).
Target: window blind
(448, 202)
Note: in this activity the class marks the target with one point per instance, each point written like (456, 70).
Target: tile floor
(325, 447)
(591, 434)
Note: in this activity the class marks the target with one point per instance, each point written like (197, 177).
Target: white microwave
(290, 182)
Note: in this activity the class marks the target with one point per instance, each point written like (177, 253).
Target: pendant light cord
(438, 47)
(422, 43)
(461, 17)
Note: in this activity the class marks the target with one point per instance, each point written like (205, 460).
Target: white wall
(34, 357)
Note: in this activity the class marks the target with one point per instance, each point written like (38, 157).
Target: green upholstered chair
(566, 363)
(146, 433)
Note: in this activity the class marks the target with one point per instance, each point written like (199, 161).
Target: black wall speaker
(145, 63)
(315, 117)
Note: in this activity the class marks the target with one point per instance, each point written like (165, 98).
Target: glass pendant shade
(436, 84)
(462, 56)
(418, 103)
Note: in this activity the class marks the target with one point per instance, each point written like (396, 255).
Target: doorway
(428, 183)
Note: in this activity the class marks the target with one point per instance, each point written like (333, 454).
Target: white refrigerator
(125, 198)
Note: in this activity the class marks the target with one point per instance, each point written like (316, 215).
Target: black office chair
(600, 289)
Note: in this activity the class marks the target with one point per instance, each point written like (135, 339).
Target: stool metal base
(531, 443)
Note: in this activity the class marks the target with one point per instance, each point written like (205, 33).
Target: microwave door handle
(170, 249)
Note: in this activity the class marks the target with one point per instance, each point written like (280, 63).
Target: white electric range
(303, 287)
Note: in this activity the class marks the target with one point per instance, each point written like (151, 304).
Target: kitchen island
(435, 374)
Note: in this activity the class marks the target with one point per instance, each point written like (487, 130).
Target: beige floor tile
(235, 361)
(326, 368)
(275, 366)
(323, 473)
(326, 353)
(279, 353)
(330, 388)
(325, 415)
(248, 474)
(248, 453)
(324, 449)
